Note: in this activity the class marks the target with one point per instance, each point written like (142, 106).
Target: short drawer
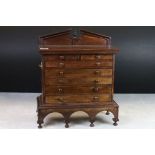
(78, 81)
(78, 64)
(62, 57)
(97, 57)
(98, 89)
(49, 73)
(78, 99)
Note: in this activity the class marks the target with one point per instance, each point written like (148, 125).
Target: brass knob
(98, 63)
(60, 90)
(96, 89)
(96, 98)
(98, 57)
(61, 73)
(97, 72)
(61, 57)
(60, 99)
(61, 64)
(40, 65)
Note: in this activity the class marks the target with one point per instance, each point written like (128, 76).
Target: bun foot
(107, 113)
(115, 124)
(92, 125)
(66, 125)
(39, 126)
(115, 121)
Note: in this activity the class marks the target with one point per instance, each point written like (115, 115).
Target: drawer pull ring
(98, 57)
(97, 72)
(40, 65)
(60, 99)
(61, 73)
(60, 90)
(98, 63)
(96, 89)
(61, 57)
(95, 98)
(61, 64)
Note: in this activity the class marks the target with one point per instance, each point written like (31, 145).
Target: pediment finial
(75, 33)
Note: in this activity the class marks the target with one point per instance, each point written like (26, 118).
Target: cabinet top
(75, 42)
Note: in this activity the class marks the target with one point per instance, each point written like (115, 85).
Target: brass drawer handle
(95, 89)
(98, 63)
(40, 65)
(96, 81)
(96, 98)
(61, 64)
(97, 72)
(61, 57)
(60, 90)
(60, 99)
(98, 57)
(61, 73)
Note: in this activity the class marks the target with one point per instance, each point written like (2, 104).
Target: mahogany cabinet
(77, 75)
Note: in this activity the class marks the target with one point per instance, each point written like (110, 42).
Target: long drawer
(77, 99)
(49, 73)
(99, 89)
(78, 57)
(78, 64)
(77, 81)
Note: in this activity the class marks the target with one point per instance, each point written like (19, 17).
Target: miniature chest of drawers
(77, 75)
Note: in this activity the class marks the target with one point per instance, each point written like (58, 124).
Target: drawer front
(78, 64)
(50, 73)
(78, 57)
(77, 81)
(77, 99)
(58, 90)
(97, 57)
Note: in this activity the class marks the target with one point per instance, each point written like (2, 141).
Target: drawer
(77, 81)
(78, 57)
(77, 99)
(62, 57)
(98, 89)
(49, 73)
(97, 57)
(78, 64)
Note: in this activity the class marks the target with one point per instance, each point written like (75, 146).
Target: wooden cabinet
(77, 75)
